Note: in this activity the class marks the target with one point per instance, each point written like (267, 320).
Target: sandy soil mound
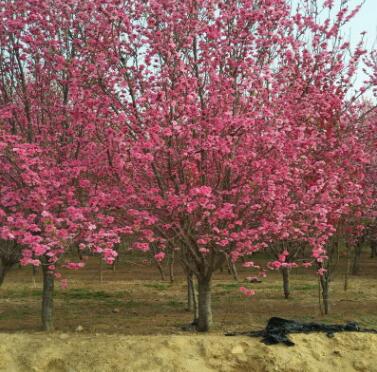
(102, 353)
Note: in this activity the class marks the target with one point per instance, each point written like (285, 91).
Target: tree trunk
(34, 274)
(191, 297)
(232, 268)
(235, 272)
(116, 260)
(373, 248)
(159, 267)
(205, 308)
(100, 270)
(4, 268)
(171, 267)
(285, 274)
(347, 272)
(356, 260)
(47, 299)
(79, 254)
(2, 273)
(324, 279)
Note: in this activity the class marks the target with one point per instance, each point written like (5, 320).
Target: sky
(365, 20)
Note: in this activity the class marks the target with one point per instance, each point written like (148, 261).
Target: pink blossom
(144, 247)
(247, 292)
(64, 283)
(75, 265)
(159, 256)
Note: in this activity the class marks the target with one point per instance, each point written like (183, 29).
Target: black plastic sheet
(278, 329)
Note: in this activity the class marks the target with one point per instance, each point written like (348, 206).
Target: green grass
(159, 286)
(228, 286)
(174, 303)
(17, 312)
(69, 294)
(304, 287)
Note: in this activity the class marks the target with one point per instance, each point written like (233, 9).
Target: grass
(69, 294)
(158, 286)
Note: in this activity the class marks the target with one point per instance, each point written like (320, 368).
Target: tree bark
(373, 248)
(347, 272)
(356, 260)
(324, 279)
(48, 299)
(171, 267)
(191, 296)
(4, 268)
(232, 269)
(33, 276)
(2, 273)
(205, 307)
(285, 274)
(100, 272)
(161, 271)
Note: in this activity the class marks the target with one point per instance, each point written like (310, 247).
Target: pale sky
(365, 20)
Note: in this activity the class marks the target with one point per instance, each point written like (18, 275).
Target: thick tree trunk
(191, 296)
(324, 280)
(285, 275)
(48, 299)
(204, 306)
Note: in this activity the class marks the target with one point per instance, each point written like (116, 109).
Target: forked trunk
(48, 299)
(285, 274)
(232, 269)
(160, 270)
(204, 308)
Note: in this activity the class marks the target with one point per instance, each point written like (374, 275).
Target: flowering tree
(210, 129)
(234, 126)
(52, 158)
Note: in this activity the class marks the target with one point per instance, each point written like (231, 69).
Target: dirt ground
(133, 300)
(131, 321)
(112, 353)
